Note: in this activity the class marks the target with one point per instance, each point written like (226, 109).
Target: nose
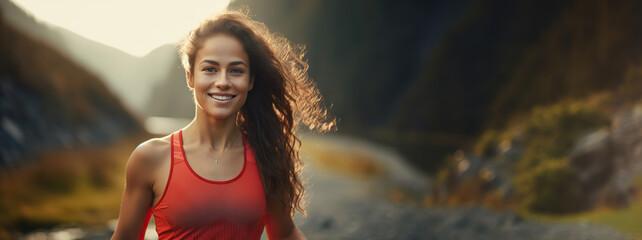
(221, 80)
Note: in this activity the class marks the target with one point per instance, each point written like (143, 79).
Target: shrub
(552, 131)
(550, 187)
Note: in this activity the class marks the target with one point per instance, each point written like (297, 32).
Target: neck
(217, 134)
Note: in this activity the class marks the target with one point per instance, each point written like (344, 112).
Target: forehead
(222, 48)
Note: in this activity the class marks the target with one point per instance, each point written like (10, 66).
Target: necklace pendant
(216, 161)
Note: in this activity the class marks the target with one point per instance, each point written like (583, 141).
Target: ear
(190, 79)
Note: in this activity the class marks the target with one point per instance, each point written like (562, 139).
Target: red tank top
(193, 207)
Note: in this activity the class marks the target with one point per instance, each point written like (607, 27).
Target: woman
(234, 168)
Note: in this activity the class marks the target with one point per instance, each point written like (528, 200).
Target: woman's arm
(137, 197)
(279, 223)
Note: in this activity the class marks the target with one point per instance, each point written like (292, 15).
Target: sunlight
(135, 27)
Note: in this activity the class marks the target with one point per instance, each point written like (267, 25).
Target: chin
(221, 115)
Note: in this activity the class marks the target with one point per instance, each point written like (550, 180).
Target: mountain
(429, 76)
(171, 96)
(130, 77)
(591, 47)
(522, 55)
(47, 101)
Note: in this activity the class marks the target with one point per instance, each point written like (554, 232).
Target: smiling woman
(235, 168)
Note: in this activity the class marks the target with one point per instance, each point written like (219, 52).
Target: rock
(591, 161)
(606, 161)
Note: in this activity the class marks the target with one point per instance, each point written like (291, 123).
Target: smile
(221, 97)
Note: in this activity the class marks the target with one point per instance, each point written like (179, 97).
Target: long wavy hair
(283, 96)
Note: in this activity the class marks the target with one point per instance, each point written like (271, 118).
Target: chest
(192, 201)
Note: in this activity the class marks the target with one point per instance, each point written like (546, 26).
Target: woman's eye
(236, 71)
(209, 69)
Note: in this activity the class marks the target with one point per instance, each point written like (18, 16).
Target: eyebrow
(216, 63)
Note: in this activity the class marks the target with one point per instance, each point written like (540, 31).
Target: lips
(221, 96)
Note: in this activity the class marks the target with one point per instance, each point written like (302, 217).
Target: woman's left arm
(279, 223)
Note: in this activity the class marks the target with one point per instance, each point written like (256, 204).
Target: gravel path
(342, 208)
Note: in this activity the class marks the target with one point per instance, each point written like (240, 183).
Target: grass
(80, 187)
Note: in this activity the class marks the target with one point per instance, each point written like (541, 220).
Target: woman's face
(221, 76)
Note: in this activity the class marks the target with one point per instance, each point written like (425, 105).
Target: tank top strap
(177, 147)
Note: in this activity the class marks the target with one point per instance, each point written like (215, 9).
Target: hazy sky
(134, 26)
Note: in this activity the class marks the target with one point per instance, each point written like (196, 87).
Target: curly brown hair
(283, 96)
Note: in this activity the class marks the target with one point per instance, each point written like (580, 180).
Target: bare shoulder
(153, 148)
(149, 155)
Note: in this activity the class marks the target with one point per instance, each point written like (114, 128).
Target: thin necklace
(225, 150)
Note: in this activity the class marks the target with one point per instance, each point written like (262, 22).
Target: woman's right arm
(137, 197)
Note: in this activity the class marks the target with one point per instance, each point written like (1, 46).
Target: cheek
(201, 83)
(243, 85)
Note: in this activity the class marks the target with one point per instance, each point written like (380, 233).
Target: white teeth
(221, 98)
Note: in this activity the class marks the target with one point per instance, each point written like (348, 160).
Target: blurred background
(461, 119)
